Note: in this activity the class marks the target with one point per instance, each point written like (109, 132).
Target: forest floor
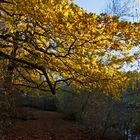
(46, 125)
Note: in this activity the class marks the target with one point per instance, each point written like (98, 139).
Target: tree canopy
(47, 42)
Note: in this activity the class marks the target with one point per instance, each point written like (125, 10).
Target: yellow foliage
(72, 43)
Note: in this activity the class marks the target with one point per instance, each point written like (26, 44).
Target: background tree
(125, 9)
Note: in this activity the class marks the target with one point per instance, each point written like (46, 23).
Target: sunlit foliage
(61, 41)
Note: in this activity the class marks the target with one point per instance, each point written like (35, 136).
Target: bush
(48, 103)
(5, 121)
(70, 114)
(71, 103)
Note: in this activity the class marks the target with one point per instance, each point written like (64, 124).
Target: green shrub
(42, 102)
(71, 104)
(50, 103)
(70, 114)
(5, 121)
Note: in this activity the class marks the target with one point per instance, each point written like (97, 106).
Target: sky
(95, 6)
(98, 6)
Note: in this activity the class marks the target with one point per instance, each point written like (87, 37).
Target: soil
(46, 125)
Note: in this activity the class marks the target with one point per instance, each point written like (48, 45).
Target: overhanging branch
(34, 66)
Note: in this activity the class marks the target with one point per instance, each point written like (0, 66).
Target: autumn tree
(50, 42)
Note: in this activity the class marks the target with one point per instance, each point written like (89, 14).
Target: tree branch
(34, 66)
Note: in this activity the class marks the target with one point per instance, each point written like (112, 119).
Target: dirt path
(47, 126)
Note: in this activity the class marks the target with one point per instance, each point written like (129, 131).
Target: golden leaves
(92, 60)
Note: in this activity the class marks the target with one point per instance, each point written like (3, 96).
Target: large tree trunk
(8, 88)
(7, 84)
